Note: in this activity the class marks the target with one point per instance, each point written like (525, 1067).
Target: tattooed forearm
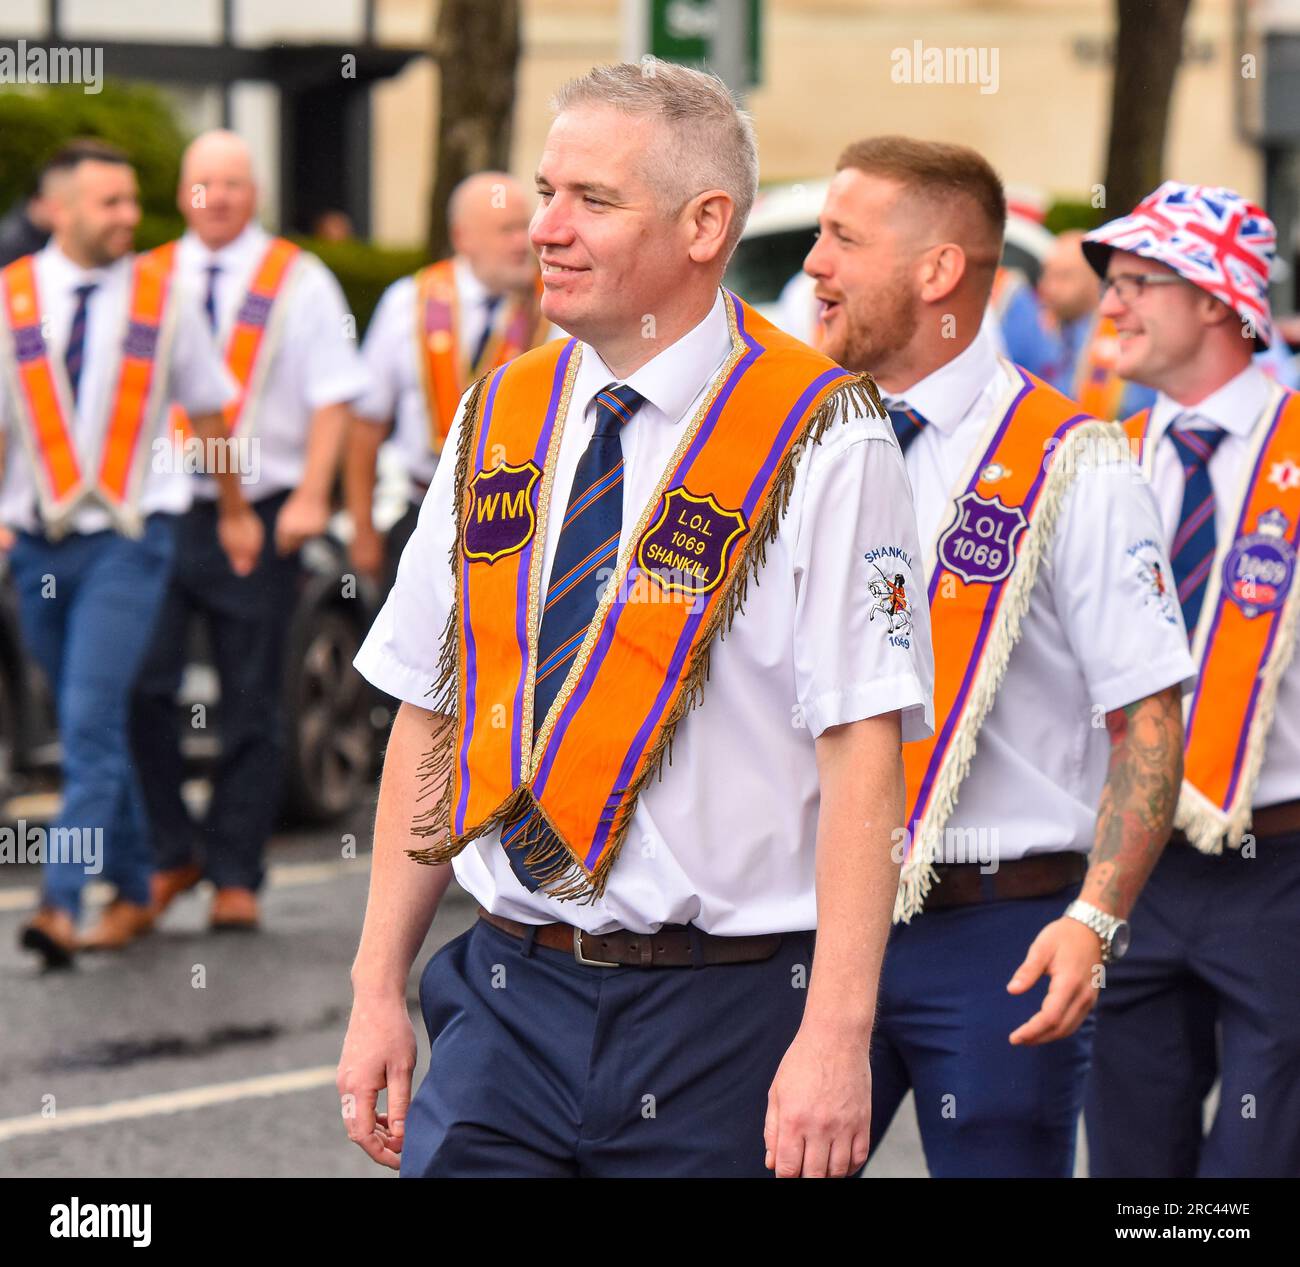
(1137, 802)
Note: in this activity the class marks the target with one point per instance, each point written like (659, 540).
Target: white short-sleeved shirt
(316, 362)
(727, 839)
(1094, 638)
(1237, 407)
(392, 356)
(197, 380)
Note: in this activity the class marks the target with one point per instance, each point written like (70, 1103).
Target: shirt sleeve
(199, 380)
(862, 619)
(1113, 589)
(381, 352)
(401, 652)
(325, 332)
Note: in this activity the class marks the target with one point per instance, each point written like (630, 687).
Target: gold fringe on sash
(556, 863)
(918, 875)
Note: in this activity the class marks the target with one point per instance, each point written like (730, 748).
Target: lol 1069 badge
(980, 543)
(687, 548)
(1258, 571)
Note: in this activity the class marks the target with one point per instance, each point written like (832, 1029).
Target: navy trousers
(1207, 991)
(87, 606)
(542, 1067)
(984, 1107)
(248, 620)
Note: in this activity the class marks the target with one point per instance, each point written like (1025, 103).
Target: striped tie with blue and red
(76, 352)
(584, 558)
(1192, 552)
(908, 424)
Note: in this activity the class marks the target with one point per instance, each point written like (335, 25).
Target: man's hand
(819, 1107)
(1070, 953)
(240, 533)
(378, 1053)
(304, 515)
(367, 552)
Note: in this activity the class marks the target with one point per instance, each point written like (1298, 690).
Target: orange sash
(679, 580)
(517, 326)
(251, 344)
(982, 571)
(45, 408)
(1246, 634)
(1097, 387)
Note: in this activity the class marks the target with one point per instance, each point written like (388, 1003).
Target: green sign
(700, 32)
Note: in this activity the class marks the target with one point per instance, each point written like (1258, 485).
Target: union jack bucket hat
(1208, 235)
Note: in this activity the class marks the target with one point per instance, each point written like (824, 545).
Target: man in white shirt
(408, 350)
(283, 324)
(1208, 993)
(90, 501)
(653, 936)
(1058, 669)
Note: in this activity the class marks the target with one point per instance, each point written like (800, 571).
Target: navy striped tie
(210, 297)
(584, 558)
(1192, 552)
(490, 306)
(907, 423)
(76, 352)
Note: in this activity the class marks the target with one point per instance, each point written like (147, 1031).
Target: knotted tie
(490, 306)
(908, 424)
(76, 352)
(586, 552)
(1192, 552)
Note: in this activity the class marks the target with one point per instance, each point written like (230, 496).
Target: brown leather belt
(1271, 820)
(673, 946)
(964, 884)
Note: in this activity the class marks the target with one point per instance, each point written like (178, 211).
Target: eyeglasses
(1130, 287)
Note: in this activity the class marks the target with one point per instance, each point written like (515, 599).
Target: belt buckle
(581, 958)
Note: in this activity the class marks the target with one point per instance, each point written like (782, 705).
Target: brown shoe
(167, 886)
(52, 934)
(120, 923)
(234, 910)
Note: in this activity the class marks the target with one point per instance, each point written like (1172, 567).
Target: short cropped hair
(713, 145)
(934, 170)
(85, 149)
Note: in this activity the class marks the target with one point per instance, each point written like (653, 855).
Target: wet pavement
(200, 1054)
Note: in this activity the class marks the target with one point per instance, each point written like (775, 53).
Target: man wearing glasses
(1206, 990)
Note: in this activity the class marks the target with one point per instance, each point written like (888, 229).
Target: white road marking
(170, 1102)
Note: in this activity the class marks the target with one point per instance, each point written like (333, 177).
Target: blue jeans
(87, 606)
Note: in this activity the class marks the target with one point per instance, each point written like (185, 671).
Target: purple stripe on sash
(959, 704)
(525, 566)
(687, 637)
(1276, 617)
(606, 635)
(471, 663)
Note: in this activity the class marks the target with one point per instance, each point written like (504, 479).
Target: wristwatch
(1113, 931)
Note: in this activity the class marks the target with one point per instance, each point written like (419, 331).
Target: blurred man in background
(95, 345)
(1086, 346)
(1030, 834)
(26, 225)
(431, 336)
(1208, 990)
(280, 318)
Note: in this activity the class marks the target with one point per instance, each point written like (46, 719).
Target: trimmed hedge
(364, 271)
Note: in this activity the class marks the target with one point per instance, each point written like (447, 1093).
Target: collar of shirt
(1235, 406)
(66, 275)
(672, 379)
(949, 395)
(241, 252)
